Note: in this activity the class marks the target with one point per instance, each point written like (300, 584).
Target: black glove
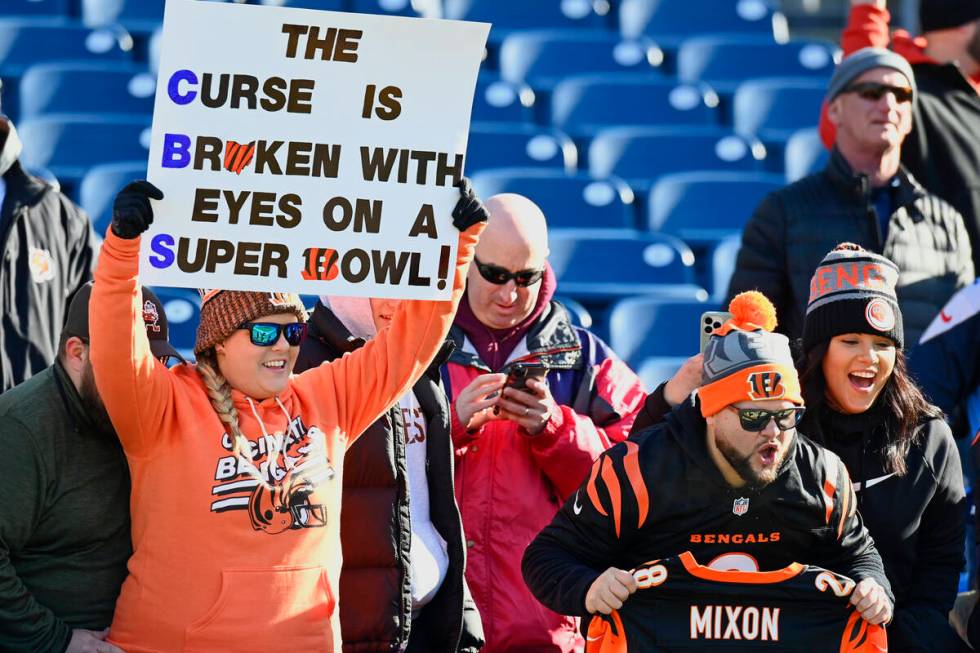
(131, 212)
(469, 209)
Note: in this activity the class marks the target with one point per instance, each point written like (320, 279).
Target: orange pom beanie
(745, 361)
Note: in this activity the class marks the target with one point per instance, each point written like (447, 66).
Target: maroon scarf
(494, 345)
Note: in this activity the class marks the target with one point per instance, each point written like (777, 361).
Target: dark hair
(904, 405)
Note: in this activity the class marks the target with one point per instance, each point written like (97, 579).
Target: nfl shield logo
(741, 506)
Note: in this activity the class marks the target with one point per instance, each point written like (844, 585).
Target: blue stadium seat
(99, 186)
(724, 62)
(670, 21)
(772, 109)
(425, 8)
(581, 106)
(327, 5)
(70, 144)
(508, 15)
(615, 263)
(541, 59)
(183, 309)
(496, 100)
(568, 201)
(705, 206)
(35, 8)
(645, 327)
(580, 315)
(86, 88)
(494, 145)
(134, 15)
(654, 371)
(805, 154)
(24, 42)
(641, 155)
(723, 258)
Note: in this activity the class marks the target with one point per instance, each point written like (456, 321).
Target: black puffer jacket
(943, 150)
(796, 226)
(375, 526)
(48, 253)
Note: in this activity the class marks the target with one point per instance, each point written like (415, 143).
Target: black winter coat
(943, 150)
(794, 227)
(48, 253)
(375, 527)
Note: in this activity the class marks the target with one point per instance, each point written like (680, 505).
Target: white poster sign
(308, 151)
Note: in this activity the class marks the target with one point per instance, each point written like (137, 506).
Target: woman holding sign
(235, 462)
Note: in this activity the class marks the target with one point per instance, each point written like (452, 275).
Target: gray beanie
(864, 60)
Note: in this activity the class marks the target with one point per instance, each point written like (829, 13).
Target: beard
(92, 403)
(754, 480)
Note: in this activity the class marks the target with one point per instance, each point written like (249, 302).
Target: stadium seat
(327, 5)
(24, 42)
(583, 105)
(724, 62)
(772, 109)
(641, 155)
(579, 314)
(517, 146)
(424, 8)
(35, 8)
(670, 21)
(541, 59)
(141, 16)
(611, 264)
(656, 370)
(568, 201)
(508, 15)
(183, 309)
(705, 206)
(99, 186)
(94, 88)
(70, 144)
(496, 100)
(723, 258)
(643, 327)
(805, 154)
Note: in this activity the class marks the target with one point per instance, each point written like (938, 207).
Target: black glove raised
(131, 212)
(469, 209)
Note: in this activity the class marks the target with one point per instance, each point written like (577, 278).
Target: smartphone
(711, 321)
(520, 372)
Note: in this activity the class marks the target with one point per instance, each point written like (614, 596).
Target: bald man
(534, 401)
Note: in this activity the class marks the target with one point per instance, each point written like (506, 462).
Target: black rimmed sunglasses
(266, 334)
(874, 91)
(756, 419)
(499, 276)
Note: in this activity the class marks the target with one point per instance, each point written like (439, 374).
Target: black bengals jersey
(658, 494)
(681, 606)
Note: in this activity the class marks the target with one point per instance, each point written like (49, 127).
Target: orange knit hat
(223, 311)
(745, 361)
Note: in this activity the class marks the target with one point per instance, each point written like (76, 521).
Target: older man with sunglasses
(522, 447)
(725, 477)
(864, 196)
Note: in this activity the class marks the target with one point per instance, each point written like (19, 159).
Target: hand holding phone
(519, 374)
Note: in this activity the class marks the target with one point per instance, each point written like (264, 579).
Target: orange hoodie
(867, 27)
(219, 562)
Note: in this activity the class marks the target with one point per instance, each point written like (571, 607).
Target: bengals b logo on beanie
(745, 361)
(853, 291)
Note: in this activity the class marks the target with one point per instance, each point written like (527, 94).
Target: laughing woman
(236, 462)
(863, 405)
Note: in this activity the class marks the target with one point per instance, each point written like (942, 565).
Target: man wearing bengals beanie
(723, 474)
